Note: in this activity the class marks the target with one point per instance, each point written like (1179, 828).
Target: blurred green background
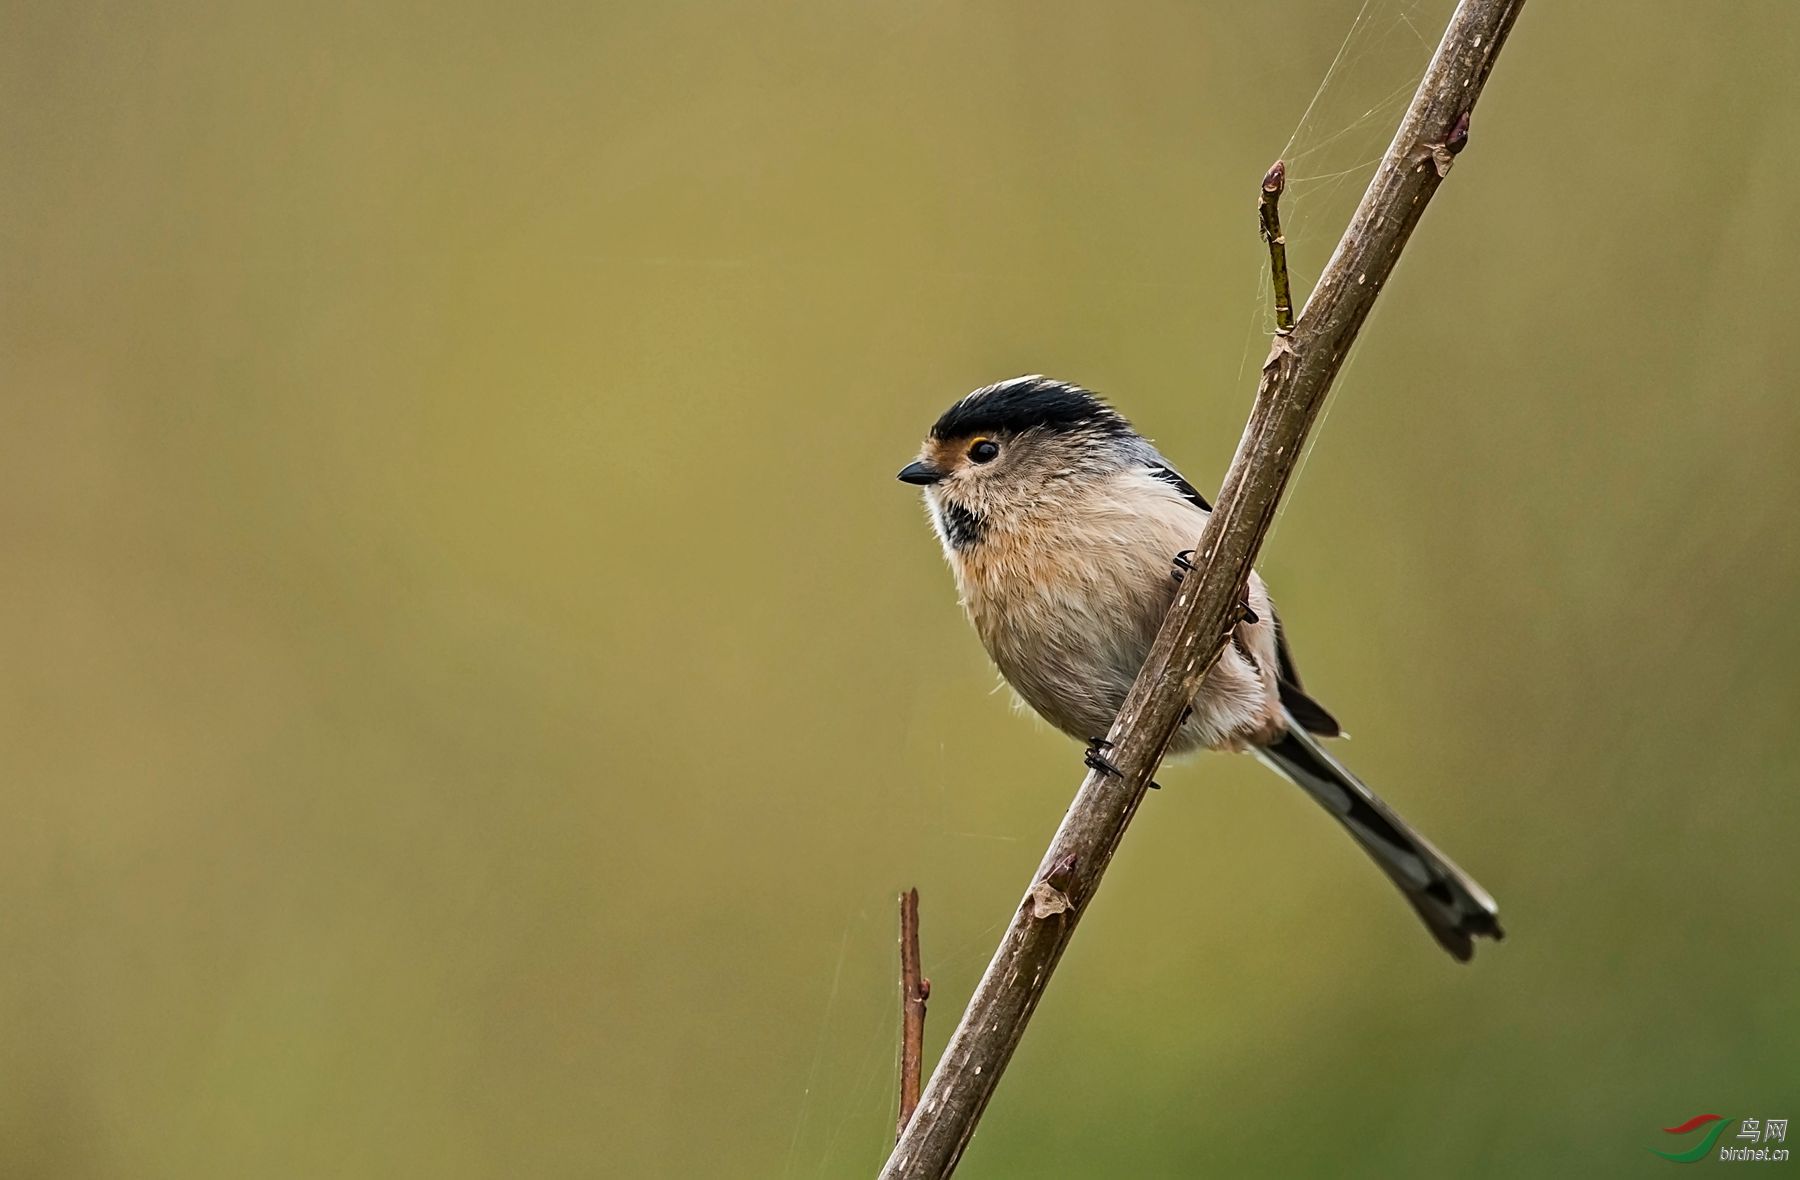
(473, 688)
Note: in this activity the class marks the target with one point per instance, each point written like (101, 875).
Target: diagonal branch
(1295, 380)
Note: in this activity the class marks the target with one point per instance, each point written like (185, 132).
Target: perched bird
(1067, 532)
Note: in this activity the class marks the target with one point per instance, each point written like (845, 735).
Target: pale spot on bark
(1047, 900)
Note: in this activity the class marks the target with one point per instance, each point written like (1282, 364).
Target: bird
(1065, 530)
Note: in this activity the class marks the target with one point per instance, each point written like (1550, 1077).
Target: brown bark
(915, 989)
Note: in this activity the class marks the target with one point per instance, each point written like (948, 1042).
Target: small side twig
(1268, 208)
(915, 989)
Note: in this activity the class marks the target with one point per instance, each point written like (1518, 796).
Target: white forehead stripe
(985, 390)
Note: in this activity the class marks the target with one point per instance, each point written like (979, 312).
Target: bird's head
(1014, 446)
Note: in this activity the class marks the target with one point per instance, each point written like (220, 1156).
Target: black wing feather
(1312, 716)
(1173, 478)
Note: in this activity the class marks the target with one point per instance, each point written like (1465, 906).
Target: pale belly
(1069, 633)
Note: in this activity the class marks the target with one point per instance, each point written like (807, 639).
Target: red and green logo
(1715, 1125)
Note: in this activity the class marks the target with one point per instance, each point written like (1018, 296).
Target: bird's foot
(1095, 758)
(1182, 564)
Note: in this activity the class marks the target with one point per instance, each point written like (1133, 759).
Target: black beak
(921, 474)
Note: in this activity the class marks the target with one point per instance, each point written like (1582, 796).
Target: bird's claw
(1095, 760)
(1184, 565)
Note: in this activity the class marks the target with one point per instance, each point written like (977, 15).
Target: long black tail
(1456, 910)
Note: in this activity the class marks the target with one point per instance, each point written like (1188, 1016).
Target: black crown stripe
(1028, 403)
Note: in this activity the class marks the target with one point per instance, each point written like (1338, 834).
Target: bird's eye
(985, 451)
